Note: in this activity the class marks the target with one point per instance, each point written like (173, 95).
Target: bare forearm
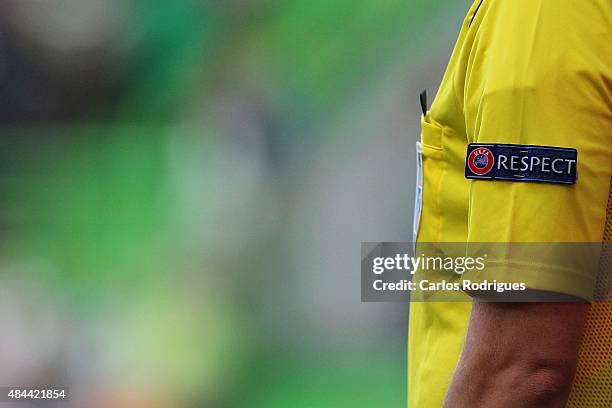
(521, 355)
(512, 387)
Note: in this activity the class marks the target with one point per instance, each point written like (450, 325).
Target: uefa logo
(481, 161)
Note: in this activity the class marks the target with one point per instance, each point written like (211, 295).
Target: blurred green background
(184, 186)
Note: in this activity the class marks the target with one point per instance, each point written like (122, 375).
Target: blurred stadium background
(184, 186)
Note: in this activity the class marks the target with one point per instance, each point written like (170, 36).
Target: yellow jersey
(523, 73)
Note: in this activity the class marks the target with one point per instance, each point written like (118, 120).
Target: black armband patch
(546, 164)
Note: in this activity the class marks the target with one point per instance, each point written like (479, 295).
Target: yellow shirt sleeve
(542, 78)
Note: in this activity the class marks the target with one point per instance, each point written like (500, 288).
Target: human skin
(518, 355)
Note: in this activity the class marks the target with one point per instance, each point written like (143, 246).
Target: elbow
(545, 383)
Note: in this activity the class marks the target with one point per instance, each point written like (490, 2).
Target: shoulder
(534, 42)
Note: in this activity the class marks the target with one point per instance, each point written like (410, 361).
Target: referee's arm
(518, 355)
